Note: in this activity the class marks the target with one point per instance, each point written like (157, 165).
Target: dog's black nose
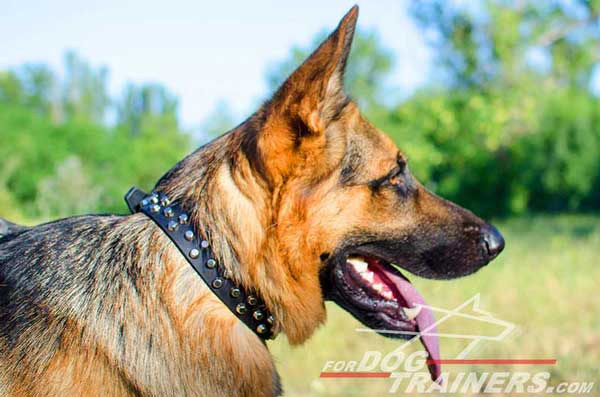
(493, 240)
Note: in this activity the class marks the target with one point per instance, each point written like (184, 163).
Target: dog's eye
(397, 181)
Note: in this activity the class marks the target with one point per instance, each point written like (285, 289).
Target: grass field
(546, 282)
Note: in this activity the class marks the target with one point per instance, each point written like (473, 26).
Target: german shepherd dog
(305, 201)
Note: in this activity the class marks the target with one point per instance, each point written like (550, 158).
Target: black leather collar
(174, 222)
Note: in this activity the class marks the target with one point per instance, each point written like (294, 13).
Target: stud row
(155, 203)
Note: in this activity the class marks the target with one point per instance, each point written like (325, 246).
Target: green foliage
(514, 136)
(68, 191)
(57, 155)
(84, 91)
(144, 102)
(563, 158)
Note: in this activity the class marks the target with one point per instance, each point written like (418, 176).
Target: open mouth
(378, 295)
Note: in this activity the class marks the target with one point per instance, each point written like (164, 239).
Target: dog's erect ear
(314, 93)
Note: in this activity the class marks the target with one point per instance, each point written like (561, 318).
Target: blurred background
(496, 104)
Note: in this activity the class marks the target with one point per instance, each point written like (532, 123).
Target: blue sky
(204, 51)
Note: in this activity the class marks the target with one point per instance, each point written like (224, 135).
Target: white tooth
(388, 295)
(368, 276)
(359, 265)
(412, 312)
(378, 287)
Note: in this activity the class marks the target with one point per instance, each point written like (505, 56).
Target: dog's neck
(238, 210)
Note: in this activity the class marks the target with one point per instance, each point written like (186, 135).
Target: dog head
(346, 205)
(319, 204)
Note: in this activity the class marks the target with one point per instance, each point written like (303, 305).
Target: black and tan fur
(106, 305)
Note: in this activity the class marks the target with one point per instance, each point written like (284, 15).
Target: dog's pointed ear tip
(353, 12)
(351, 16)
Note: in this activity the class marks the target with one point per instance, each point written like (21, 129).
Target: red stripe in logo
(496, 361)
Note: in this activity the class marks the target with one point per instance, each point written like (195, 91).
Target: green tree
(11, 88)
(513, 134)
(32, 85)
(140, 102)
(39, 86)
(486, 43)
(59, 156)
(84, 90)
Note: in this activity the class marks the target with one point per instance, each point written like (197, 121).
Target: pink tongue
(425, 320)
